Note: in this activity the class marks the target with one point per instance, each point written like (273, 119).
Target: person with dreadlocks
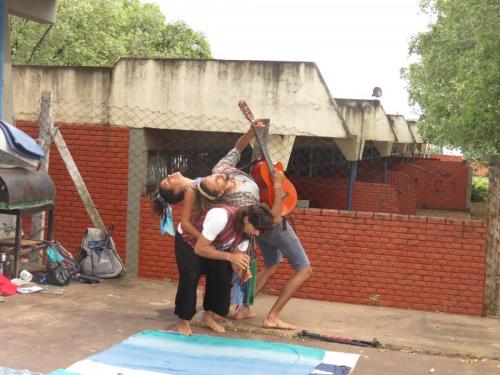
(225, 235)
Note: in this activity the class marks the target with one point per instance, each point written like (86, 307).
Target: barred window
(192, 153)
(315, 158)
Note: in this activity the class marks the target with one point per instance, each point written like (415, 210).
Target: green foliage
(479, 192)
(99, 32)
(456, 79)
(178, 40)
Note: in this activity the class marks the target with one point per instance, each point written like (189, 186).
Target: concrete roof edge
(41, 11)
(221, 60)
(333, 102)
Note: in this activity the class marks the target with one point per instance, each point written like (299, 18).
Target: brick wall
(392, 260)
(369, 196)
(406, 187)
(156, 252)
(440, 184)
(370, 171)
(322, 192)
(332, 193)
(454, 158)
(358, 257)
(101, 154)
(403, 261)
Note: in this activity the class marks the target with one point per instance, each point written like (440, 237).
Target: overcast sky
(357, 44)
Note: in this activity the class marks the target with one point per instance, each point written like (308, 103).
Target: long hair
(259, 215)
(161, 196)
(205, 199)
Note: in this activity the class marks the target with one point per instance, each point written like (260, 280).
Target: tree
(456, 79)
(99, 32)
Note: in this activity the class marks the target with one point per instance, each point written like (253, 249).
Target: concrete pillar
(137, 176)
(45, 125)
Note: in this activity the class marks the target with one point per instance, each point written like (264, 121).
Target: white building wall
(292, 94)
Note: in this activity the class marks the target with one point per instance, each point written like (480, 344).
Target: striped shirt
(248, 192)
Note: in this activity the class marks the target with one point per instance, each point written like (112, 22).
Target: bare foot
(243, 313)
(277, 324)
(209, 322)
(184, 328)
(216, 317)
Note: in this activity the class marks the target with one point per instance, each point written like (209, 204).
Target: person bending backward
(238, 189)
(174, 189)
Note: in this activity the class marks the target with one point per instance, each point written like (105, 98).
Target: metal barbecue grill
(24, 192)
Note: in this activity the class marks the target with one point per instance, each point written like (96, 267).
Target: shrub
(479, 192)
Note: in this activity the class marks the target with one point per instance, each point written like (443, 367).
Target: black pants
(191, 267)
(218, 286)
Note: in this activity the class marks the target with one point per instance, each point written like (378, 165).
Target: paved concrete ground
(42, 332)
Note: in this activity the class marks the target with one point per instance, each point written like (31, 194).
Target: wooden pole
(78, 181)
(45, 124)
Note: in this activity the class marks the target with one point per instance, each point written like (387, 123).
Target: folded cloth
(6, 287)
(167, 221)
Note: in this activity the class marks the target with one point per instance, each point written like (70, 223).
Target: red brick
(412, 262)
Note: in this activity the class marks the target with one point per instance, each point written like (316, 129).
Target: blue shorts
(278, 243)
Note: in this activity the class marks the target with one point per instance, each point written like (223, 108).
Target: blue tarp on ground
(158, 352)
